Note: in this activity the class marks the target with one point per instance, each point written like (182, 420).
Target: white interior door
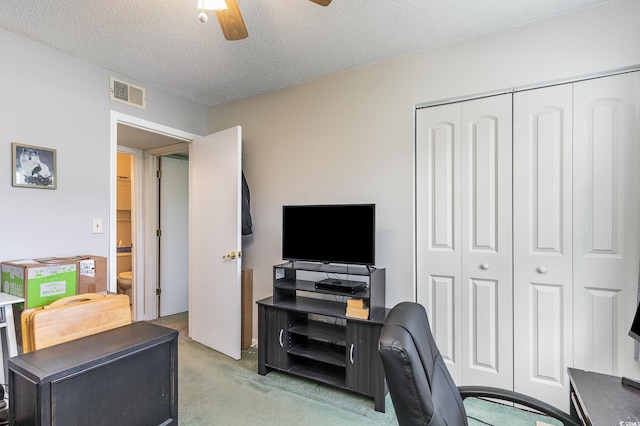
(606, 222)
(463, 166)
(214, 234)
(174, 239)
(542, 230)
(438, 236)
(487, 305)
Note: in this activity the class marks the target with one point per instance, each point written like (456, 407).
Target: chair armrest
(518, 398)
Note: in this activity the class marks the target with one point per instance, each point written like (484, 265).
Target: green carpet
(481, 412)
(214, 389)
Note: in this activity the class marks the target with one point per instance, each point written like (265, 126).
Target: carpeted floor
(214, 389)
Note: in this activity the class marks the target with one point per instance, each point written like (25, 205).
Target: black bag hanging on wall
(247, 224)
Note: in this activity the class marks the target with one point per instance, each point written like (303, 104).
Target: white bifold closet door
(576, 232)
(542, 247)
(606, 223)
(528, 264)
(464, 249)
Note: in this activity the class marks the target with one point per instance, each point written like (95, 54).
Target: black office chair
(422, 391)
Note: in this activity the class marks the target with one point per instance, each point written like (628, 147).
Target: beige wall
(350, 137)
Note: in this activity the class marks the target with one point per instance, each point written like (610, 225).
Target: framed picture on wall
(33, 166)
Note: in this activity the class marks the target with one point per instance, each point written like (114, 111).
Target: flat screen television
(330, 233)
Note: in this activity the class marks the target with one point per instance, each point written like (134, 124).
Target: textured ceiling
(161, 43)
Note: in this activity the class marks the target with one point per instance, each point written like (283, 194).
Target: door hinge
(159, 174)
(158, 232)
(158, 291)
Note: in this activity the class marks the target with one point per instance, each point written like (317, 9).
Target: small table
(8, 330)
(602, 400)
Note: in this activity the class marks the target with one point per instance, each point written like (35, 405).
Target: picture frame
(33, 166)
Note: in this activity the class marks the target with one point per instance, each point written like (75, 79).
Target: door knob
(542, 270)
(484, 266)
(231, 255)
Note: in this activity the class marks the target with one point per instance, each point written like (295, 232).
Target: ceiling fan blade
(322, 2)
(231, 21)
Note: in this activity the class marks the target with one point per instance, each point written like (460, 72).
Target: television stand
(304, 330)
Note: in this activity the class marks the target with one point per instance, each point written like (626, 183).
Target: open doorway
(146, 143)
(214, 232)
(124, 224)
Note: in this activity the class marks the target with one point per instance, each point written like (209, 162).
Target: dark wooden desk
(124, 376)
(601, 400)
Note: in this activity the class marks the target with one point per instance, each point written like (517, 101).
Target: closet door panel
(601, 347)
(442, 306)
(438, 227)
(542, 224)
(606, 221)
(546, 326)
(464, 236)
(486, 170)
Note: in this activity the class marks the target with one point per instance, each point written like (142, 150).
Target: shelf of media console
(286, 277)
(321, 331)
(329, 268)
(327, 308)
(310, 287)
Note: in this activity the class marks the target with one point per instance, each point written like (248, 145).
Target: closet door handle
(484, 266)
(351, 354)
(280, 338)
(541, 269)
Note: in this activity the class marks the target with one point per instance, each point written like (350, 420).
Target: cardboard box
(357, 313)
(92, 271)
(356, 303)
(92, 274)
(37, 282)
(246, 325)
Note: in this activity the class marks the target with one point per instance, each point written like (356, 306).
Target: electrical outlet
(97, 226)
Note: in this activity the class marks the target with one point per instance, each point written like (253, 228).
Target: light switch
(97, 226)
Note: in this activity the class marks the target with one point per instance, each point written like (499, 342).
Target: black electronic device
(330, 233)
(342, 286)
(635, 333)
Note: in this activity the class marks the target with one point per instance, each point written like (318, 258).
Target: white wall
(350, 137)
(54, 100)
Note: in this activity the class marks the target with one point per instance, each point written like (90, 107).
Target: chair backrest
(422, 391)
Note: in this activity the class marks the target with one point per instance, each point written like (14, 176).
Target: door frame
(144, 184)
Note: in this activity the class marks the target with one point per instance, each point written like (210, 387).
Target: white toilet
(124, 282)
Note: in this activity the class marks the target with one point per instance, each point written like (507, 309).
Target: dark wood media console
(312, 337)
(128, 375)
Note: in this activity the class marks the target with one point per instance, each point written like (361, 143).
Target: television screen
(635, 326)
(338, 233)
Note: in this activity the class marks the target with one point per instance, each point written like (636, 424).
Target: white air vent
(128, 94)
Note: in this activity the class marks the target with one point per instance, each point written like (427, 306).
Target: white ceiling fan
(230, 17)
